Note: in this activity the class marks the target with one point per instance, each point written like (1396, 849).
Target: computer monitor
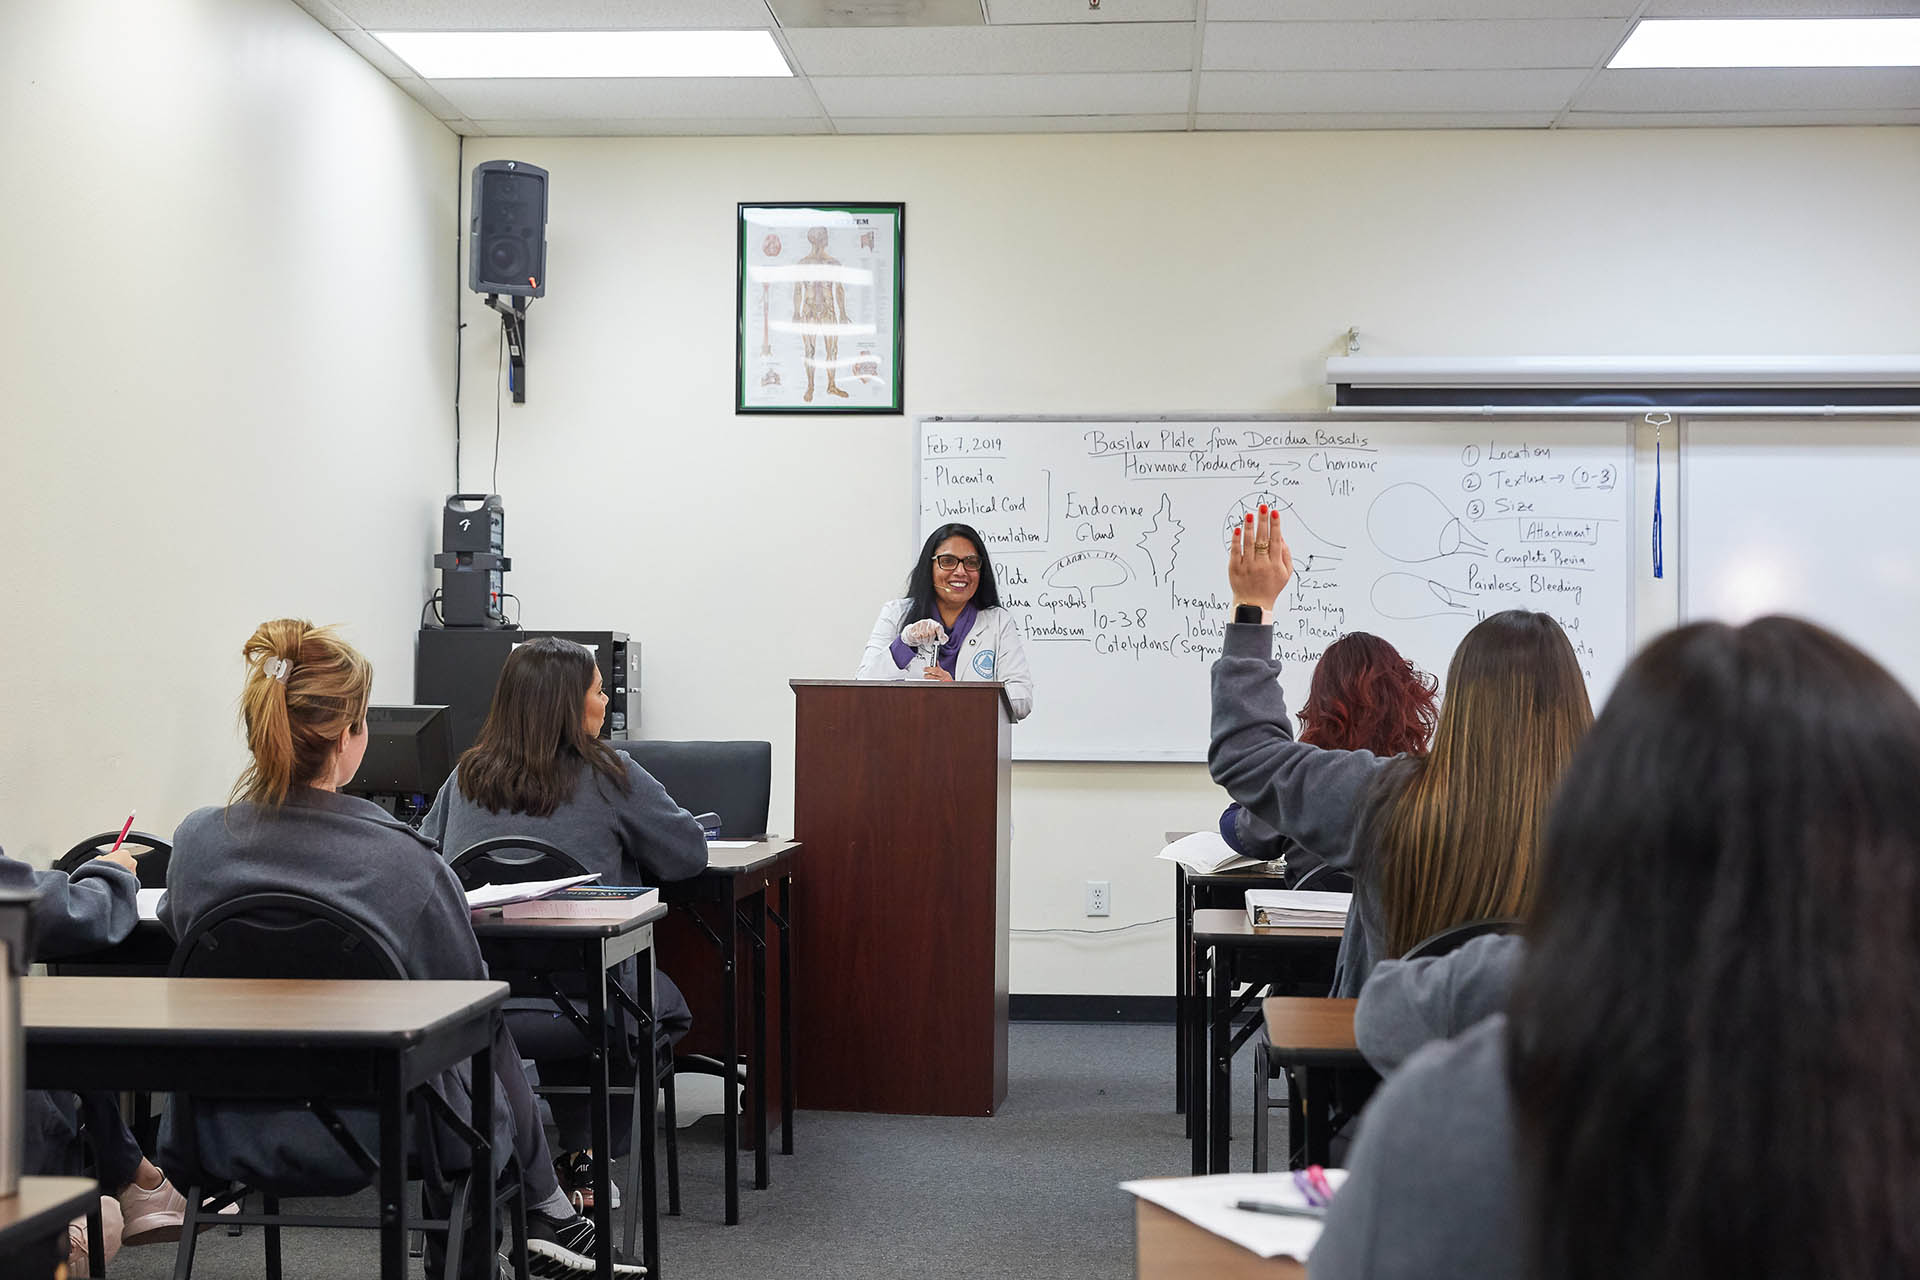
(409, 754)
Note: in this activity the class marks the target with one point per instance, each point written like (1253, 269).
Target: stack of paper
(499, 895)
(1297, 907)
(1209, 1203)
(1205, 853)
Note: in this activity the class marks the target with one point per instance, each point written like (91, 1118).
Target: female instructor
(950, 626)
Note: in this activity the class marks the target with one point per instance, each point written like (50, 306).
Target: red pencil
(123, 835)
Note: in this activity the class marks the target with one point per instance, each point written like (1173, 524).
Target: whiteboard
(1812, 517)
(1108, 539)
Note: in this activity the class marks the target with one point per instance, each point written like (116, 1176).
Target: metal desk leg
(393, 1169)
(786, 1015)
(757, 993)
(1197, 1054)
(481, 1196)
(599, 1108)
(1219, 1062)
(645, 1120)
(1182, 971)
(730, 1056)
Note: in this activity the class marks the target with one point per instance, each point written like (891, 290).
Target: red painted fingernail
(1263, 508)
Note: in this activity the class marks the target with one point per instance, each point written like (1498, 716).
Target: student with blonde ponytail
(287, 829)
(1432, 841)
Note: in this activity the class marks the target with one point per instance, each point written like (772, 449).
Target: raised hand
(1259, 565)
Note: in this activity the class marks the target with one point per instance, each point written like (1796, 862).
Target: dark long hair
(1366, 697)
(920, 580)
(1457, 841)
(1715, 1039)
(527, 757)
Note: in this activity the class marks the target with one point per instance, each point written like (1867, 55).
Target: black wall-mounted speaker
(507, 238)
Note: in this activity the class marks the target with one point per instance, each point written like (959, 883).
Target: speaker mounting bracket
(513, 322)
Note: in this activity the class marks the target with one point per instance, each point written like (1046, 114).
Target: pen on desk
(123, 833)
(1304, 1185)
(1285, 1210)
(1318, 1177)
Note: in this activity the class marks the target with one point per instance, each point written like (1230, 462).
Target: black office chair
(732, 779)
(516, 860)
(1326, 879)
(1357, 1091)
(289, 935)
(152, 852)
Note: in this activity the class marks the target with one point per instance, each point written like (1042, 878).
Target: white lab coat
(993, 651)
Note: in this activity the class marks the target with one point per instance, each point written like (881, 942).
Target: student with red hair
(1364, 697)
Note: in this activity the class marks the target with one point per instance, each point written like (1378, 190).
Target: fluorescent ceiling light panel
(1772, 42)
(561, 55)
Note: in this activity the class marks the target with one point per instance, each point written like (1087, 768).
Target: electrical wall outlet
(1097, 898)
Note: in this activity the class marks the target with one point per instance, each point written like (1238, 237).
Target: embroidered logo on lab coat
(983, 664)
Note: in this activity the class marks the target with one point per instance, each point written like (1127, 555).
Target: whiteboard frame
(1628, 419)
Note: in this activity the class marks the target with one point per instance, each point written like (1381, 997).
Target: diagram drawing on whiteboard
(1312, 553)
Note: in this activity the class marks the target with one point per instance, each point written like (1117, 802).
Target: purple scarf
(949, 655)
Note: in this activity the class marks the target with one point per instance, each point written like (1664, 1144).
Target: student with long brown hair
(539, 769)
(1707, 1068)
(1432, 841)
(288, 829)
(1363, 697)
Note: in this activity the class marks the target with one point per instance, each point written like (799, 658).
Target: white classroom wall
(226, 372)
(1101, 274)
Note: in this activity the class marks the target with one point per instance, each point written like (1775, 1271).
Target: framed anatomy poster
(820, 306)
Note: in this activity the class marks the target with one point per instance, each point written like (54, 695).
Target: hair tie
(278, 669)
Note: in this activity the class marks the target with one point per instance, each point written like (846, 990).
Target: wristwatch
(1247, 613)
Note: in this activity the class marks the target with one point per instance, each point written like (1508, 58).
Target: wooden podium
(901, 796)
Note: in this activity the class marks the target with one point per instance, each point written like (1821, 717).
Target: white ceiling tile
(326, 14)
(1733, 119)
(384, 60)
(1003, 13)
(794, 15)
(886, 97)
(651, 128)
(427, 96)
(552, 15)
(1783, 9)
(1753, 89)
(1292, 92)
(1051, 50)
(678, 99)
(1379, 120)
(1369, 46)
(1017, 124)
(1411, 10)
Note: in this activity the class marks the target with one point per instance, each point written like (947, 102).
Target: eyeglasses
(949, 563)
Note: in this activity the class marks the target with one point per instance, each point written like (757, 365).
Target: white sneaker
(110, 1228)
(155, 1216)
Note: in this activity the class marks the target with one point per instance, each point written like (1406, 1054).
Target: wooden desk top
(1168, 1247)
(1308, 1023)
(734, 862)
(561, 929)
(217, 1011)
(44, 1206)
(1229, 924)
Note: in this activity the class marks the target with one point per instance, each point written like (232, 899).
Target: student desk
(33, 1225)
(721, 904)
(1315, 1035)
(539, 952)
(1227, 951)
(1168, 1247)
(270, 1038)
(1193, 890)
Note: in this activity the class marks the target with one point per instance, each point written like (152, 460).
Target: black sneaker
(563, 1247)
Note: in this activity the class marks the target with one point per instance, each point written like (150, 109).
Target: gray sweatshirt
(94, 908)
(640, 836)
(1323, 799)
(352, 854)
(1432, 1192)
(1410, 1003)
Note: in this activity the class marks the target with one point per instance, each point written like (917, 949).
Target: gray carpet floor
(1027, 1193)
